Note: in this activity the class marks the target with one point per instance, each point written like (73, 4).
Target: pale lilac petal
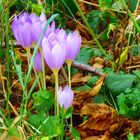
(53, 39)
(34, 18)
(59, 55)
(45, 43)
(23, 17)
(25, 37)
(61, 35)
(48, 56)
(36, 31)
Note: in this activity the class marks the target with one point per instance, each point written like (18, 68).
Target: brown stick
(88, 68)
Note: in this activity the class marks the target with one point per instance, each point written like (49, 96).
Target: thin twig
(87, 68)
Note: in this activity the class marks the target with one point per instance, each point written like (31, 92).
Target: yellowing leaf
(121, 59)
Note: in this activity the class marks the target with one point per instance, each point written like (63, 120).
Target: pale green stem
(69, 71)
(43, 70)
(69, 62)
(56, 104)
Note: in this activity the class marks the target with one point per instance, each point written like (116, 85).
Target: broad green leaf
(43, 100)
(85, 55)
(121, 104)
(118, 83)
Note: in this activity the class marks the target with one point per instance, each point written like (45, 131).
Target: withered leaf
(101, 116)
(97, 86)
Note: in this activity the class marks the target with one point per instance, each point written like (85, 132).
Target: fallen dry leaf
(103, 123)
(101, 116)
(97, 86)
(78, 79)
(81, 98)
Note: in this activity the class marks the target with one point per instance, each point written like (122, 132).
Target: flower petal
(48, 56)
(59, 54)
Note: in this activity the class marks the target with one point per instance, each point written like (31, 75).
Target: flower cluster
(57, 46)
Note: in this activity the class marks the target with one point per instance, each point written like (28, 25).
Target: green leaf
(37, 120)
(85, 55)
(52, 126)
(43, 100)
(121, 104)
(76, 134)
(118, 83)
(94, 19)
(84, 87)
(118, 5)
(92, 81)
(137, 73)
(129, 103)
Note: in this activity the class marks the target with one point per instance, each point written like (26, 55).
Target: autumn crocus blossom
(65, 97)
(21, 28)
(73, 45)
(54, 51)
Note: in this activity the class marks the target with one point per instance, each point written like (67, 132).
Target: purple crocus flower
(38, 24)
(65, 97)
(38, 62)
(21, 29)
(54, 51)
(73, 45)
